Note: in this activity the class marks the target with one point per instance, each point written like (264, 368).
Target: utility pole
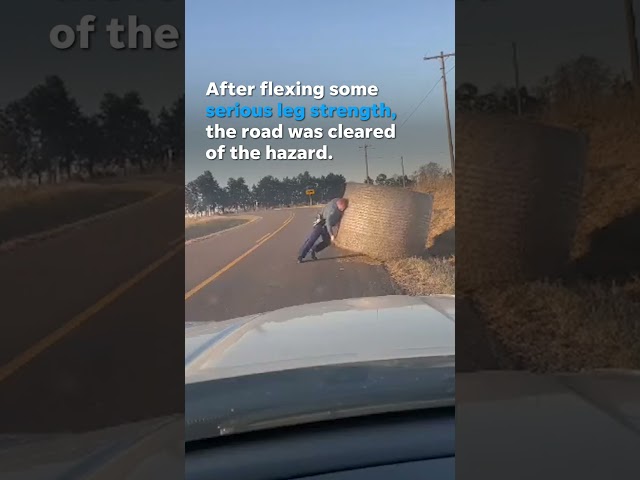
(402, 166)
(366, 160)
(516, 71)
(633, 42)
(442, 58)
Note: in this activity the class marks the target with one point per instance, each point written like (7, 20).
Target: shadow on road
(336, 257)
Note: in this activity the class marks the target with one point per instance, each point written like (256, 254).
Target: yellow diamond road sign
(311, 191)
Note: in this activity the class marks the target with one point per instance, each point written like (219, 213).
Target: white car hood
(518, 425)
(511, 425)
(318, 334)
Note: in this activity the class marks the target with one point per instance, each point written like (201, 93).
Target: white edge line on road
(34, 237)
(215, 234)
(32, 352)
(227, 267)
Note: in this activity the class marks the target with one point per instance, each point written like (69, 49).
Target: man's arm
(334, 233)
(333, 217)
(333, 228)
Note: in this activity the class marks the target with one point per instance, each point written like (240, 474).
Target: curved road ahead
(253, 269)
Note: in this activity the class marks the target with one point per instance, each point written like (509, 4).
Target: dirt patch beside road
(28, 211)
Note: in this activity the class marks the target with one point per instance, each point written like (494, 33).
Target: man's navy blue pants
(317, 232)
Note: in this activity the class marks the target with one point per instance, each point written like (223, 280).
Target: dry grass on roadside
(613, 170)
(551, 327)
(213, 225)
(23, 195)
(29, 211)
(435, 273)
(193, 221)
(418, 276)
(443, 219)
(13, 196)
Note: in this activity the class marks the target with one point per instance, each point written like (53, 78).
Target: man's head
(342, 204)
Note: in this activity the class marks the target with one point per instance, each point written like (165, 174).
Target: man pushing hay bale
(385, 223)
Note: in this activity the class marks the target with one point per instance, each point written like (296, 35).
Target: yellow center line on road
(229, 266)
(176, 241)
(21, 360)
(263, 237)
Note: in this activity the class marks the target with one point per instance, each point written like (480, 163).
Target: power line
(442, 57)
(366, 159)
(416, 109)
(633, 42)
(424, 98)
(516, 75)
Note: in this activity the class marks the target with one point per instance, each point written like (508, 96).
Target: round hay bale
(518, 188)
(385, 222)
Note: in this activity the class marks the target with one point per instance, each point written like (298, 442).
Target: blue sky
(329, 42)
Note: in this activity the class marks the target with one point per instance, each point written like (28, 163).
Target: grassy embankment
(202, 226)
(29, 210)
(434, 272)
(592, 318)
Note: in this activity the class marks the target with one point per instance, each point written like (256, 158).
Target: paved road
(268, 277)
(63, 368)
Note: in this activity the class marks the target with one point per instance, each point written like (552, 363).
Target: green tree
(381, 179)
(208, 191)
(578, 83)
(430, 171)
(91, 144)
(267, 191)
(466, 97)
(11, 148)
(128, 130)
(55, 118)
(335, 185)
(171, 135)
(192, 197)
(238, 193)
(22, 149)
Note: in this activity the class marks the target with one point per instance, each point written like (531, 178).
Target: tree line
(45, 136)
(579, 84)
(205, 193)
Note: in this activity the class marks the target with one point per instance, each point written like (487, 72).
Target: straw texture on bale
(518, 187)
(385, 223)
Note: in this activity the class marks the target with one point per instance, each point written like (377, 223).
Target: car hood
(150, 450)
(510, 425)
(319, 334)
(522, 425)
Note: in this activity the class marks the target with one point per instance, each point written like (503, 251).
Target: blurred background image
(319, 294)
